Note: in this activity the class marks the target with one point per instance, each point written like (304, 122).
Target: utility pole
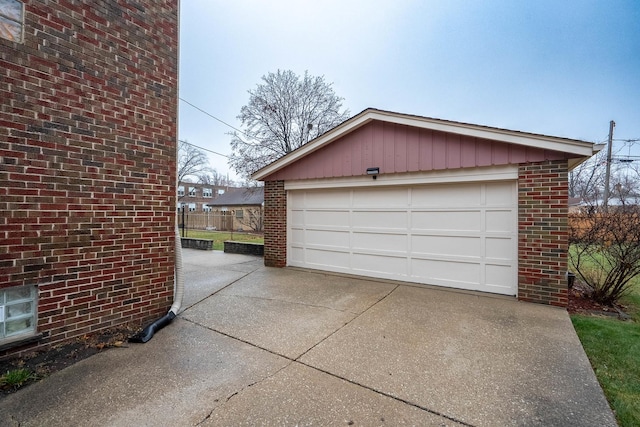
(607, 176)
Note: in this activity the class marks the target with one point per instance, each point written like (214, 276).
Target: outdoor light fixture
(373, 172)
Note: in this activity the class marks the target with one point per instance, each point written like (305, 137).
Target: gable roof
(578, 150)
(246, 196)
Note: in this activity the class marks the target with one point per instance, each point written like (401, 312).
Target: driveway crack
(358, 315)
(238, 392)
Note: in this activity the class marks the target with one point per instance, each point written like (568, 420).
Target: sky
(558, 68)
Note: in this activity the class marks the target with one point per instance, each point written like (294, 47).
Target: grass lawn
(219, 237)
(613, 347)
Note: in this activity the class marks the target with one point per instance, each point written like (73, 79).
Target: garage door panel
(446, 245)
(296, 236)
(334, 239)
(447, 220)
(296, 255)
(370, 198)
(382, 265)
(380, 219)
(321, 199)
(498, 276)
(499, 221)
(454, 195)
(329, 258)
(379, 241)
(326, 218)
(446, 272)
(296, 218)
(497, 248)
(500, 194)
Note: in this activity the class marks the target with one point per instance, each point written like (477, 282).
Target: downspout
(178, 291)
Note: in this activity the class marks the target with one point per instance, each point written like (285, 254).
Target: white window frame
(181, 190)
(7, 318)
(192, 191)
(192, 207)
(207, 192)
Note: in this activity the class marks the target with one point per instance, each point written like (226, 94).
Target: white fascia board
(493, 173)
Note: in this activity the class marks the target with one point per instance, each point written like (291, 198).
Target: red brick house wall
(88, 113)
(543, 232)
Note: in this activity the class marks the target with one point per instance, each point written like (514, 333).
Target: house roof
(580, 150)
(246, 196)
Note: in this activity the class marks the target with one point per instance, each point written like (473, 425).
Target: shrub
(606, 249)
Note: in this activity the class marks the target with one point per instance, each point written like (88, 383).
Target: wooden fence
(222, 221)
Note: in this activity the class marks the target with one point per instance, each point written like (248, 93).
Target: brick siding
(275, 224)
(88, 113)
(543, 233)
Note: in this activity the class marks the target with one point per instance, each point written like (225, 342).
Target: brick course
(275, 224)
(543, 232)
(88, 114)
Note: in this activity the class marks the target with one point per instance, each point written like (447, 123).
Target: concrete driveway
(264, 346)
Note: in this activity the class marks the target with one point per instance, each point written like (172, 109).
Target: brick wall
(275, 224)
(88, 107)
(543, 232)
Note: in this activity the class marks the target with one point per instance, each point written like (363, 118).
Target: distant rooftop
(247, 196)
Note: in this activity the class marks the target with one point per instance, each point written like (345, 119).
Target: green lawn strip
(219, 237)
(613, 347)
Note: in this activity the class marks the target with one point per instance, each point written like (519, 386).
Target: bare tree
(252, 218)
(213, 177)
(192, 162)
(284, 112)
(587, 179)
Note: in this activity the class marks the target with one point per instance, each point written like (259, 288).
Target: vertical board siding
(396, 148)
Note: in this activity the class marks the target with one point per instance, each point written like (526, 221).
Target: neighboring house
(423, 200)
(88, 116)
(194, 196)
(245, 205)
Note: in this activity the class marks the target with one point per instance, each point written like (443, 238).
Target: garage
(427, 201)
(454, 235)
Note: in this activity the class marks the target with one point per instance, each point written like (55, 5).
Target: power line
(212, 116)
(205, 149)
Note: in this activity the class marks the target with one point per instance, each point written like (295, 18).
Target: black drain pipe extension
(147, 333)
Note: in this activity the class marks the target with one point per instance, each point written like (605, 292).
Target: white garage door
(454, 235)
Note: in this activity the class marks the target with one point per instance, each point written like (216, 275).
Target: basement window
(17, 311)
(12, 20)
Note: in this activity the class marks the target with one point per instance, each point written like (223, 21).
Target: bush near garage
(605, 249)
